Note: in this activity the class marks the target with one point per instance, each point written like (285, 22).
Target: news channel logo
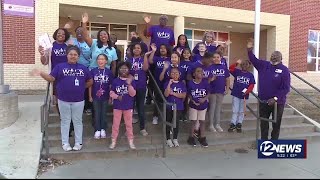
(286, 149)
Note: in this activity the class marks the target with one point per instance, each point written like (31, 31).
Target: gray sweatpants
(215, 101)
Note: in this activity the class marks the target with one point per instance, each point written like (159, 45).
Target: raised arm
(258, 64)
(44, 57)
(146, 32)
(164, 70)
(87, 37)
(153, 51)
(145, 65)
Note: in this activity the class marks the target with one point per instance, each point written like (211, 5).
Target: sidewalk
(223, 164)
(20, 143)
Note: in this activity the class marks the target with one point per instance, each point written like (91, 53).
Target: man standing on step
(274, 85)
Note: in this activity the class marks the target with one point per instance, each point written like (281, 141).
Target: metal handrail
(45, 109)
(303, 80)
(164, 111)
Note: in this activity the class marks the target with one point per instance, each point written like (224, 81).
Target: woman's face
(174, 74)
(79, 32)
(104, 36)
(209, 38)
(182, 40)
(163, 51)
(174, 59)
(186, 55)
(216, 58)
(123, 71)
(137, 50)
(73, 56)
(198, 73)
(101, 61)
(61, 35)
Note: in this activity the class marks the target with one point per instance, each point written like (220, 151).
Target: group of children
(196, 84)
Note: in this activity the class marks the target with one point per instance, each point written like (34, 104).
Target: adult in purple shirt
(140, 65)
(182, 43)
(72, 79)
(160, 34)
(274, 85)
(208, 40)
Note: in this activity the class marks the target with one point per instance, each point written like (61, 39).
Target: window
(313, 54)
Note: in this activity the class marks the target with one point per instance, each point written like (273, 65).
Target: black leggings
(169, 117)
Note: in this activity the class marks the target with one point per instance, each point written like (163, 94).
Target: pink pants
(127, 116)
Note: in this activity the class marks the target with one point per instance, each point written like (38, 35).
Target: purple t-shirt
(218, 86)
(138, 73)
(159, 63)
(197, 57)
(224, 62)
(102, 78)
(210, 48)
(71, 81)
(58, 54)
(161, 35)
(176, 87)
(207, 70)
(198, 91)
(242, 79)
(181, 48)
(186, 65)
(120, 87)
(167, 74)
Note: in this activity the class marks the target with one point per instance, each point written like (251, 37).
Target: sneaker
(239, 130)
(232, 128)
(143, 132)
(134, 120)
(212, 129)
(155, 120)
(77, 147)
(88, 112)
(131, 145)
(97, 135)
(66, 147)
(203, 141)
(169, 143)
(113, 144)
(218, 128)
(191, 141)
(103, 134)
(175, 143)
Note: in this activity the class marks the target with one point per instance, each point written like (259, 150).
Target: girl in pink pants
(123, 92)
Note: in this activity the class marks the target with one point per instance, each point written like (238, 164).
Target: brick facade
(303, 17)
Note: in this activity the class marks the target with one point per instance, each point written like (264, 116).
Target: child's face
(101, 61)
(163, 51)
(175, 74)
(137, 50)
(182, 40)
(174, 59)
(186, 55)
(245, 65)
(206, 61)
(202, 48)
(198, 73)
(123, 71)
(216, 59)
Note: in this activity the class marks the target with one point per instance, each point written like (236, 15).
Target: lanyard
(102, 78)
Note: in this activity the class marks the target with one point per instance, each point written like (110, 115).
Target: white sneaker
(134, 120)
(66, 147)
(175, 142)
(97, 135)
(155, 120)
(144, 132)
(212, 129)
(103, 134)
(218, 128)
(169, 143)
(77, 147)
(113, 144)
(131, 145)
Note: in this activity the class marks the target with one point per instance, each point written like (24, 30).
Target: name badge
(76, 82)
(278, 71)
(136, 77)
(244, 90)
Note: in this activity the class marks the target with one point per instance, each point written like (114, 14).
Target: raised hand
(85, 17)
(239, 61)
(35, 72)
(166, 65)
(153, 47)
(147, 19)
(130, 79)
(228, 42)
(179, 50)
(148, 53)
(41, 50)
(250, 43)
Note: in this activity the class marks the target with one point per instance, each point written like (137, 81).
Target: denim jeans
(71, 111)
(140, 97)
(237, 110)
(100, 116)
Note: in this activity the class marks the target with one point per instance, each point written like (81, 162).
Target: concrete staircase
(293, 127)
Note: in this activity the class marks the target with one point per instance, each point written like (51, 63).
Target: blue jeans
(71, 111)
(100, 115)
(140, 97)
(237, 110)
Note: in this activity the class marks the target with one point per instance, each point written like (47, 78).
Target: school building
(289, 26)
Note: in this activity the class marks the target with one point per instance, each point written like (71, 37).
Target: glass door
(122, 46)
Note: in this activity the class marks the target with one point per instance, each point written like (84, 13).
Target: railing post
(164, 120)
(275, 110)
(174, 115)
(258, 124)
(46, 130)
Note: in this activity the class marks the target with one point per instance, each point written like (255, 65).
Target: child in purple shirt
(198, 92)
(201, 51)
(182, 44)
(122, 92)
(99, 95)
(175, 92)
(175, 62)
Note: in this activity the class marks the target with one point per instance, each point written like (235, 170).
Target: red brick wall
(18, 39)
(304, 16)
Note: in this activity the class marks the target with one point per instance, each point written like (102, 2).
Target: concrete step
(102, 151)
(249, 122)
(154, 139)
